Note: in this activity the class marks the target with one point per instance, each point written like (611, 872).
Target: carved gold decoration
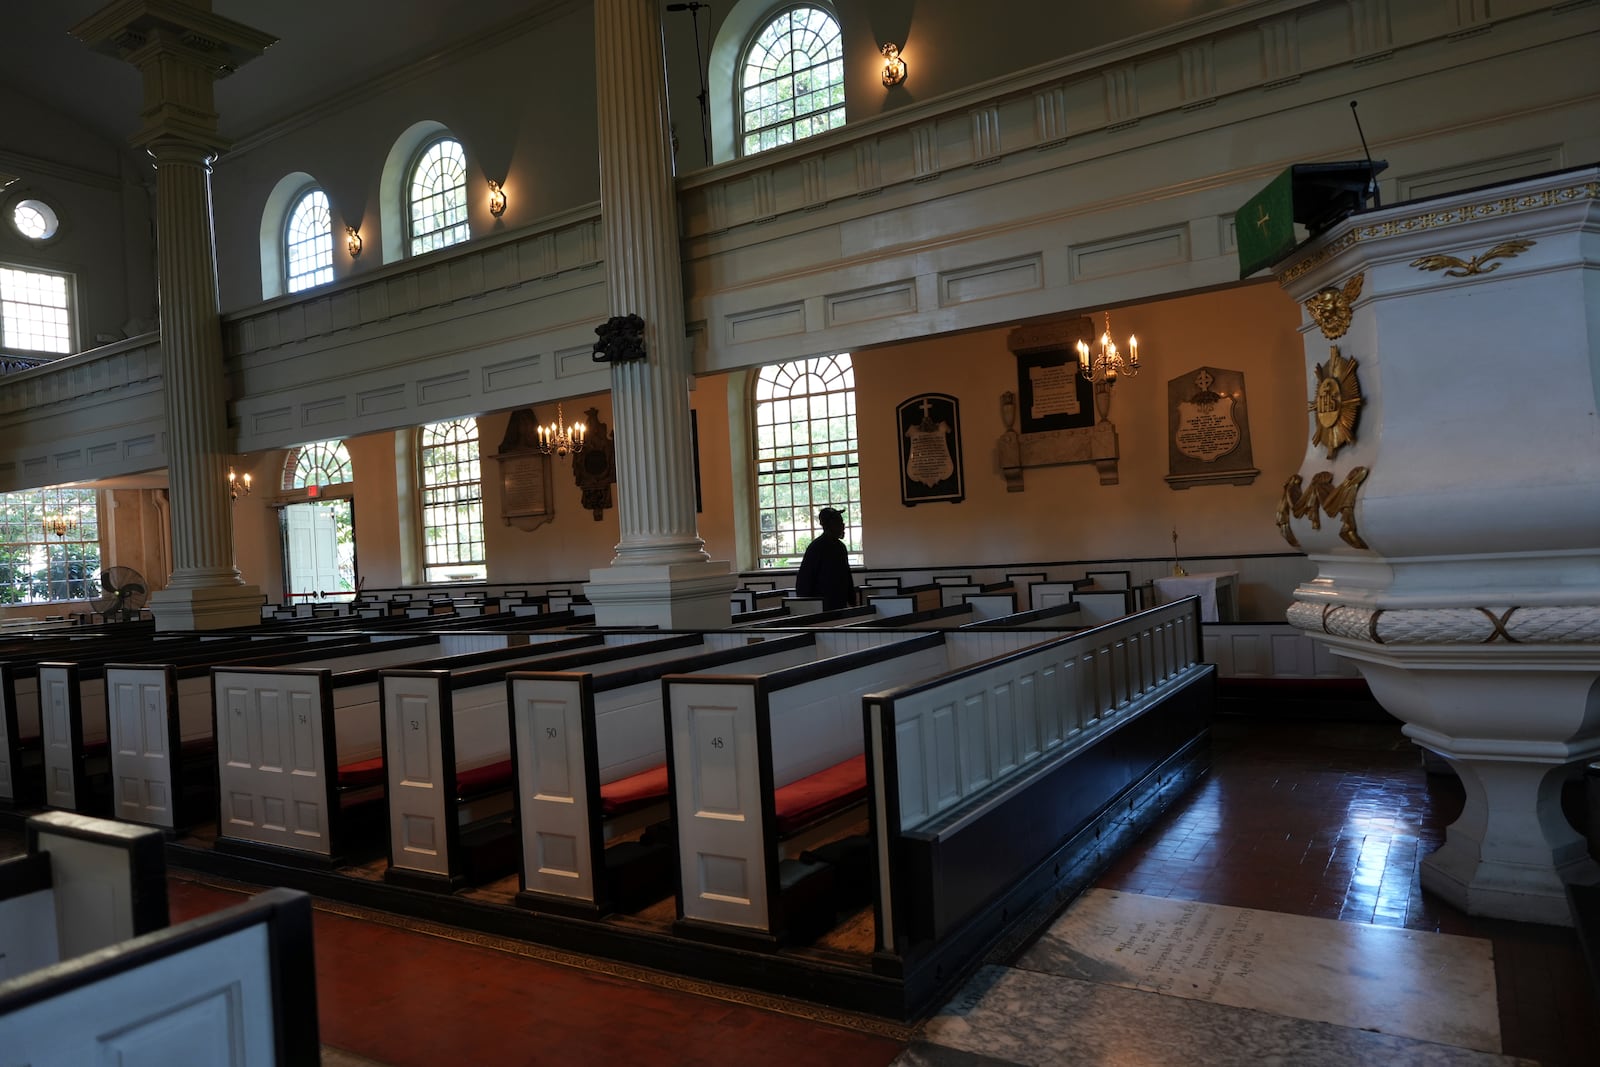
(1330, 307)
(1322, 496)
(1489, 209)
(1465, 268)
(1336, 404)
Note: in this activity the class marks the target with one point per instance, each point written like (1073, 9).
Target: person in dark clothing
(825, 570)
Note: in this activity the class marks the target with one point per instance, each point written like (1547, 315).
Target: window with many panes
(807, 456)
(49, 545)
(308, 242)
(452, 502)
(437, 193)
(35, 310)
(792, 85)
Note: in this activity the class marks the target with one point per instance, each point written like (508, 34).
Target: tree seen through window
(807, 456)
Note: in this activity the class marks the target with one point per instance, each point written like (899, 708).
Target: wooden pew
(1103, 605)
(81, 885)
(590, 752)
(37, 748)
(762, 766)
(300, 766)
(1066, 615)
(981, 776)
(75, 712)
(989, 606)
(159, 718)
(449, 770)
(237, 987)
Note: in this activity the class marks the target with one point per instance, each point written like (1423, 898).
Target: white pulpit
(1450, 498)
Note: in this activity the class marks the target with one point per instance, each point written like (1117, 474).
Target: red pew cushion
(362, 774)
(486, 779)
(634, 791)
(810, 798)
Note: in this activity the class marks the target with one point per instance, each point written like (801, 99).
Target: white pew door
(139, 702)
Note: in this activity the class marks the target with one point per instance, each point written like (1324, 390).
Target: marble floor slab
(1430, 986)
(1006, 1016)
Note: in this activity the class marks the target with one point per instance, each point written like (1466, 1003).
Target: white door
(312, 537)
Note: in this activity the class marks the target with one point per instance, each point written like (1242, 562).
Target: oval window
(35, 220)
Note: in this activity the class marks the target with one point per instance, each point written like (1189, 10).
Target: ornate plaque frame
(930, 450)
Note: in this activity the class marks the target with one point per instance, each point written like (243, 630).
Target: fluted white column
(650, 397)
(192, 369)
(180, 49)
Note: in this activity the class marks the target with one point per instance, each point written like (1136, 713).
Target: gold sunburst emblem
(1336, 403)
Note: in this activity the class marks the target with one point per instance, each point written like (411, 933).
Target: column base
(671, 596)
(206, 607)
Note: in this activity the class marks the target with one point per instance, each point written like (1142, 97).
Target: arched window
(452, 502)
(792, 80)
(49, 545)
(438, 196)
(308, 242)
(807, 456)
(324, 463)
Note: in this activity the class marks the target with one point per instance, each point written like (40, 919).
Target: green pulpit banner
(1264, 226)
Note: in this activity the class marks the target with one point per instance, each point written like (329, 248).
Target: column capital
(180, 48)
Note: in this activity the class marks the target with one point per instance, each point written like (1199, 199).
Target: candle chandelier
(560, 438)
(60, 525)
(1106, 362)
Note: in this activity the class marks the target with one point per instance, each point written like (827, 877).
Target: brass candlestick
(1177, 568)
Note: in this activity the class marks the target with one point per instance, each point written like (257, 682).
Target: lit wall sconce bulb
(238, 486)
(497, 199)
(894, 68)
(352, 242)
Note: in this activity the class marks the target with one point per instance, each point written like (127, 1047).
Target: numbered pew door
(141, 715)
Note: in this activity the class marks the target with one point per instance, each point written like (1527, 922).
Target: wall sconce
(238, 486)
(894, 68)
(60, 525)
(1106, 362)
(497, 199)
(352, 242)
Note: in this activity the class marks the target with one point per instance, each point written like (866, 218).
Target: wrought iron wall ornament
(1322, 495)
(1330, 307)
(1465, 268)
(594, 470)
(621, 339)
(1336, 403)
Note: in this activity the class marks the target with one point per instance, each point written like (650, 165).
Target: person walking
(825, 569)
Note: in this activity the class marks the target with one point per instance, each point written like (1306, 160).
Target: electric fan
(122, 592)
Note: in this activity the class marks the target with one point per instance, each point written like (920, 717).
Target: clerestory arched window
(437, 195)
(791, 79)
(807, 455)
(308, 242)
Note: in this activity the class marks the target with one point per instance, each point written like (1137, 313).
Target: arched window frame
(452, 232)
(781, 129)
(322, 463)
(799, 470)
(38, 566)
(451, 502)
(321, 256)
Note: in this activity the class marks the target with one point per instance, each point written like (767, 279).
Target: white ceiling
(324, 46)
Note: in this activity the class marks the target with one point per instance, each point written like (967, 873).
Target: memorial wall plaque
(930, 449)
(526, 500)
(1208, 439)
(1056, 416)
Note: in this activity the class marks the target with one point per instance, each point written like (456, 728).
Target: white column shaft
(193, 369)
(650, 398)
